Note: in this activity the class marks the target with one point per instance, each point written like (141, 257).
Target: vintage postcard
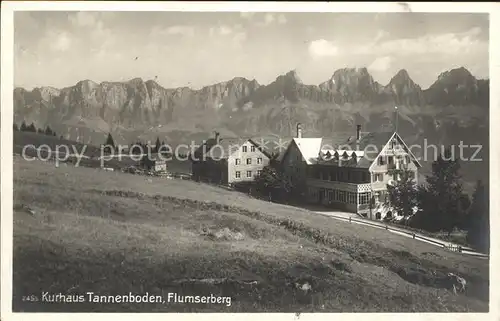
(168, 158)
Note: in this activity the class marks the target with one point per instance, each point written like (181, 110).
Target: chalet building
(227, 161)
(349, 173)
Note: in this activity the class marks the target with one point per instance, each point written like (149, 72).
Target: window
(378, 177)
(244, 149)
(381, 160)
(407, 159)
(390, 160)
(364, 198)
(259, 172)
(330, 195)
(352, 198)
(249, 174)
(237, 161)
(249, 161)
(238, 174)
(259, 160)
(252, 148)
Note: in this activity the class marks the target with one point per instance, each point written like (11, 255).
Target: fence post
(349, 219)
(387, 227)
(413, 235)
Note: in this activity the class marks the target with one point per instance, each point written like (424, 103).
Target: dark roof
(375, 139)
(337, 140)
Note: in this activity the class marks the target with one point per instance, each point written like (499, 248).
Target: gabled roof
(370, 145)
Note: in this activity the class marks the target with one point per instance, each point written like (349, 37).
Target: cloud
(93, 30)
(380, 35)
(247, 15)
(445, 43)
(381, 64)
(271, 18)
(322, 48)
(58, 40)
(83, 19)
(221, 30)
(268, 18)
(282, 19)
(239, 38)
(225, 30)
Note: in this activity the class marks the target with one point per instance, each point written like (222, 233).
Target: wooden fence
(447, 246)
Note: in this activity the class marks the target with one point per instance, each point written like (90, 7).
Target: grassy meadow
(114, 233)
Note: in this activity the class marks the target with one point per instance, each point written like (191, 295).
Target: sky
(196, 49)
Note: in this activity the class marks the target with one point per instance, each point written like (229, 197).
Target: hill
(107, 233)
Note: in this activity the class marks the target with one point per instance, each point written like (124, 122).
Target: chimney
(217, 138)
(299, 130)
(358, 132)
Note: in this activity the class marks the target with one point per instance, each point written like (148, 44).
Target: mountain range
(455, 107)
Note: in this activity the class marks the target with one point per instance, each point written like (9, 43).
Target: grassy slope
(112, 233)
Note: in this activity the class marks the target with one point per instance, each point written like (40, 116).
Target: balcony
(350, 187)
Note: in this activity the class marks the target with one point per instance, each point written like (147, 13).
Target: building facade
(351, 176)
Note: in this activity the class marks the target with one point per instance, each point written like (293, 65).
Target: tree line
(138, 147)
(33, 129)
(441, 203)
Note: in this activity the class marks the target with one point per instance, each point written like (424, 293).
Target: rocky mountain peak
(292, 76)
(456, 75)
(401, 76)
(404, 90)
(45, 93)
(351, 84)
(454, 87)
(136, 81)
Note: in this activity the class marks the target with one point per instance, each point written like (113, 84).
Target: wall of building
(398, 152)
(243, 167)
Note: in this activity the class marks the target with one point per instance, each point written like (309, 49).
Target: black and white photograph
(253, 158)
